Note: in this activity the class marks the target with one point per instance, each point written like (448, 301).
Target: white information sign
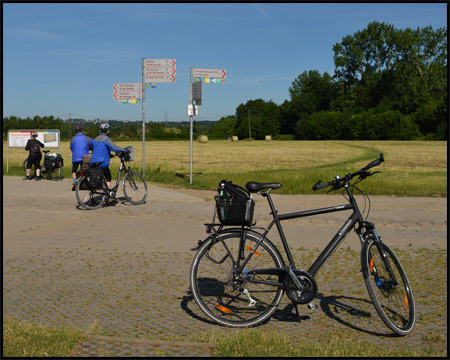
(19, 138)
(192, 110)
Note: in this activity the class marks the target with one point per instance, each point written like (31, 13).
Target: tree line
(388, 84)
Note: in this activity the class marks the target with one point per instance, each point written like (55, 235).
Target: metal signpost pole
(143, 120)
(191, 133)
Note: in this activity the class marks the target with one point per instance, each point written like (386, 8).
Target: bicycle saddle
(254, 186)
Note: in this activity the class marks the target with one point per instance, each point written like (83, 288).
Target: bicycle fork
(368, 265)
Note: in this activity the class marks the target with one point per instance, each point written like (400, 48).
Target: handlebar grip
(318, 185)
(375, 162)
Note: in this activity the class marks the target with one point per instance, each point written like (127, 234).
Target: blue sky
(64, 58)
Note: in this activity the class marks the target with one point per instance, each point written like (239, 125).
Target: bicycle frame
(355, 218)
(122, 167)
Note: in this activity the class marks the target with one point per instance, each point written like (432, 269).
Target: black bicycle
(238, 275)
(133, 185)
(49, 168)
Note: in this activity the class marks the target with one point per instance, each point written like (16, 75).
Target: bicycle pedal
(312, 306)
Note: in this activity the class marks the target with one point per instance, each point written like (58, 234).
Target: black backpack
(34, 146)
(234, 205)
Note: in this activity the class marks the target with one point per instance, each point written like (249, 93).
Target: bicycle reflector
(249, 248)
(224, 309)
(406, 302)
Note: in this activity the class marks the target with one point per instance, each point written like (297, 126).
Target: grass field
(412, 168)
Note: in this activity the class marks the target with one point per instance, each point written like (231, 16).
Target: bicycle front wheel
(134, 188)
(87, 198)
(390, 292)
(237, 300)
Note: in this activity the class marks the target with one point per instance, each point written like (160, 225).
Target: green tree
(224, 128)
(381, 64)
(259, 117)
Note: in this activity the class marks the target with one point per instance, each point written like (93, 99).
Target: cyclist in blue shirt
(80, 145)
(103, 145)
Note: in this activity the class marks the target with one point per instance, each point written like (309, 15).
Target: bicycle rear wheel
(239, 301)
(134, 188)
(391, 296)
(87, 198)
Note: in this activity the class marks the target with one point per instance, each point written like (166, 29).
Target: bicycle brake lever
(368, 173)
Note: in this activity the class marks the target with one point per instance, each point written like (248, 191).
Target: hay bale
(202, 139)
(234, 138)
(268, 138)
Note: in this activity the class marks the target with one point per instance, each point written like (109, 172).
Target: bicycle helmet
(34, 134)
(104, 127)
(79, 128)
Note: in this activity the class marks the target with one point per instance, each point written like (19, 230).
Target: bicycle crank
(308, 283)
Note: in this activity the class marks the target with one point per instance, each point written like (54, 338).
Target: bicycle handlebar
(374, 163)
(338, 183)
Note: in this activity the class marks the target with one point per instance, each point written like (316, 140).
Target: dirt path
(125, 267)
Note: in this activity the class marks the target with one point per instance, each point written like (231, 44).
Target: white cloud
(259, 9)
(29, 33)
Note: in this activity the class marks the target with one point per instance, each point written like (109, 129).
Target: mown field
(412, 168)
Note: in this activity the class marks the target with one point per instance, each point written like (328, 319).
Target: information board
(19, 138)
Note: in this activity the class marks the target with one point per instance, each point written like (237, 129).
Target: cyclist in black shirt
(34, 147)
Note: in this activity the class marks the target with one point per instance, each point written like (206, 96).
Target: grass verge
(256, 343)
(21, 339)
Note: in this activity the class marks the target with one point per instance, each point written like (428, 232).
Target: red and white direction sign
(159, 63)
(215, 73)
(123, 91)
(127, 87)
(159, 70)
(124, 95)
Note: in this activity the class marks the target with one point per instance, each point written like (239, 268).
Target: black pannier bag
(94, 177)
(84, 183)
(234, 204)
(53, 162)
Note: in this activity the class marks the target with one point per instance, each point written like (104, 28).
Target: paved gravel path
(124, 269)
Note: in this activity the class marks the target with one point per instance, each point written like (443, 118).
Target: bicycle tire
(89, 199)
(135, 188)
(394, 305)
(223, 299)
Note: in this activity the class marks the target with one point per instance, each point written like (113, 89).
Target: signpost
(154, 71)
(195, 92)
